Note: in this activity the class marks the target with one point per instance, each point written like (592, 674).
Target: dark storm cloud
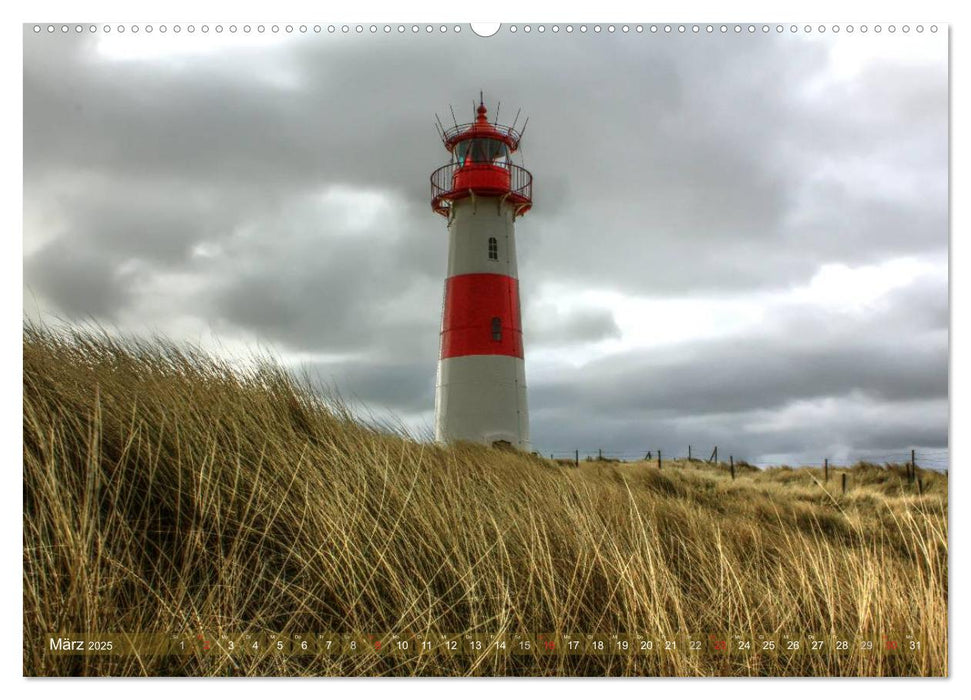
(288, 181)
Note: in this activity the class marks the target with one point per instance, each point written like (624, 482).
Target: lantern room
(481, 165)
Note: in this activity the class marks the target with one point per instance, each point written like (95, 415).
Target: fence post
(576, 458)
(731, 460)
(844, 484)
(716, 454)
(600, 454)
(659, 459)
(913, 466)
(689, 453)
(826, 470)
(920, 487)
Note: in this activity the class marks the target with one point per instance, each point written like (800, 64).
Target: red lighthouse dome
(481, 165)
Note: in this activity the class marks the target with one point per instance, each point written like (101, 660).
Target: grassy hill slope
(165, 491)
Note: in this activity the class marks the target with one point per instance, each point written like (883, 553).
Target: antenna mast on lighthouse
(481, 388)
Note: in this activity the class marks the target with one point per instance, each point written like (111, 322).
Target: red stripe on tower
(481, 316)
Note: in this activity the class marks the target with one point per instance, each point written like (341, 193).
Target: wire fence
(934, 458)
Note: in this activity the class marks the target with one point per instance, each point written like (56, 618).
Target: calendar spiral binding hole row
(415, 29)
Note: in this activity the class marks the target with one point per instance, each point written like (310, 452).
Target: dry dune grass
(165, 491)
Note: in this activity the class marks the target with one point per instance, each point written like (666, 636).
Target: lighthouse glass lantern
(481, 385)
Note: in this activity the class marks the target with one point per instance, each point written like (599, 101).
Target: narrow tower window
(496, 328)
(493, 249)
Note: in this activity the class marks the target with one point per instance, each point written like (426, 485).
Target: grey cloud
(896, 355)
(896, 351)
(846, 431)
(545, 325)
(313, 291)
(737, 375)
(679, 174)
(397, 386)
(84, 284)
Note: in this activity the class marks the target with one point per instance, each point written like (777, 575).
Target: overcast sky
(737, 240)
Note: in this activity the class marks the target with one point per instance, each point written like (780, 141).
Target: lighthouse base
(482, 398)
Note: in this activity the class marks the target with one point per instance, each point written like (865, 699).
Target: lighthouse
(480, 391)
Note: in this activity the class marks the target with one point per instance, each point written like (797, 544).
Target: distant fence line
(935, 459)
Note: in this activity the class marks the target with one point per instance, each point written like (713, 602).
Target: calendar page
(523, 349)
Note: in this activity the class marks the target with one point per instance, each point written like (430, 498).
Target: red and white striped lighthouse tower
(481, 388)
